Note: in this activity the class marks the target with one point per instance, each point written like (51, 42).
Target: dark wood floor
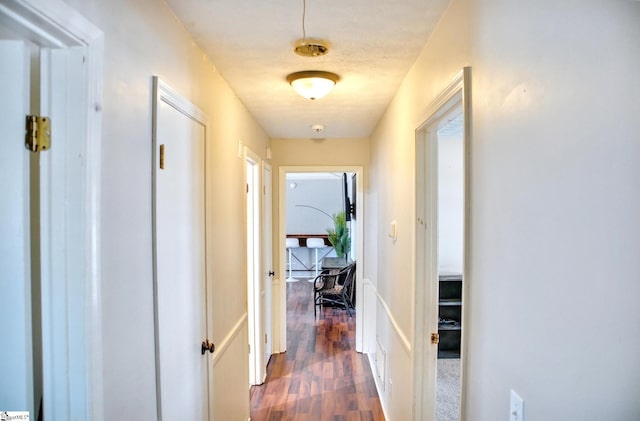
(321, 376)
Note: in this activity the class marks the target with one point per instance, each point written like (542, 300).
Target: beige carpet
(448, 390)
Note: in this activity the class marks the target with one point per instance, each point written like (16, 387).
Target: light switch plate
(516, 409)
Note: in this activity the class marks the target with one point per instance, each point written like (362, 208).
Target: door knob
(272, 273)
(207, 346)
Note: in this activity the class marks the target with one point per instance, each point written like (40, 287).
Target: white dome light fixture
(313, 84)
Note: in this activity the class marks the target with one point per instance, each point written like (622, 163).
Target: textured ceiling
(373, 45)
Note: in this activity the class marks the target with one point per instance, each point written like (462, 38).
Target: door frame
(279, 286)
(457, 93)
(70, 253)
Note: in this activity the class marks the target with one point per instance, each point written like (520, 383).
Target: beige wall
(390, 265)
(555, 194)
(310, 152)
(317, 153)
(142, 39)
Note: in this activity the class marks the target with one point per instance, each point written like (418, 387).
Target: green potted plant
(339, 235)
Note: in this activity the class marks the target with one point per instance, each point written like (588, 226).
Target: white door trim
(76, 266)
(280, 295)
(257, 365)
(267, 257)
(425, 227)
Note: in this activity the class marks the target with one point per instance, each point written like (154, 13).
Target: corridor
(321, 376)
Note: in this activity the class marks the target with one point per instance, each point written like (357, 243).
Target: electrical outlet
(516, 410)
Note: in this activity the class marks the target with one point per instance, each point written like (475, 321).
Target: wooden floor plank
(321, 376)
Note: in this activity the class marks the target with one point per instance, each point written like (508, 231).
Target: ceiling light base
(310, 47)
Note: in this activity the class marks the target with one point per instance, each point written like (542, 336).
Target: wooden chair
(334, 287)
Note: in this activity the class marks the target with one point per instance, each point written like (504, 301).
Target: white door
(268, 261)
(426, 274)
(255, 281)
(180, 270)
(16, 365)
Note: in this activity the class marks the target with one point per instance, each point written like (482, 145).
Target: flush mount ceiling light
(313, 84)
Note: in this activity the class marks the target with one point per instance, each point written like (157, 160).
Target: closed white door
(16, 358)
(255, 288)
(268, 272)
(180, 277)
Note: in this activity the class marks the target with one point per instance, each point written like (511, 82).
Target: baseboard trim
(226, 341)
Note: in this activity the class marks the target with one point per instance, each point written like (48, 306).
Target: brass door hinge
(435, 338)
(38, 133)
(162, 157)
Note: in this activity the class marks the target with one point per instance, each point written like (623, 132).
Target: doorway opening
(313, 201)
(58, 271)
(309, 198)
(442, 253)
(450, 168)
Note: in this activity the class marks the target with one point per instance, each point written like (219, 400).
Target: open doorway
(50, 229)
(450, 257)
(348, 193)
(442, 253)
(313, 203)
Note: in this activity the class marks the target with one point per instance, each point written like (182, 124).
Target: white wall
(143, 38)
(556, 199)
(324, 194)
(309, 207)
(450, 203)
(553, 276)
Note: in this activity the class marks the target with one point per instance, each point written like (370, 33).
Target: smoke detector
(317, 128)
